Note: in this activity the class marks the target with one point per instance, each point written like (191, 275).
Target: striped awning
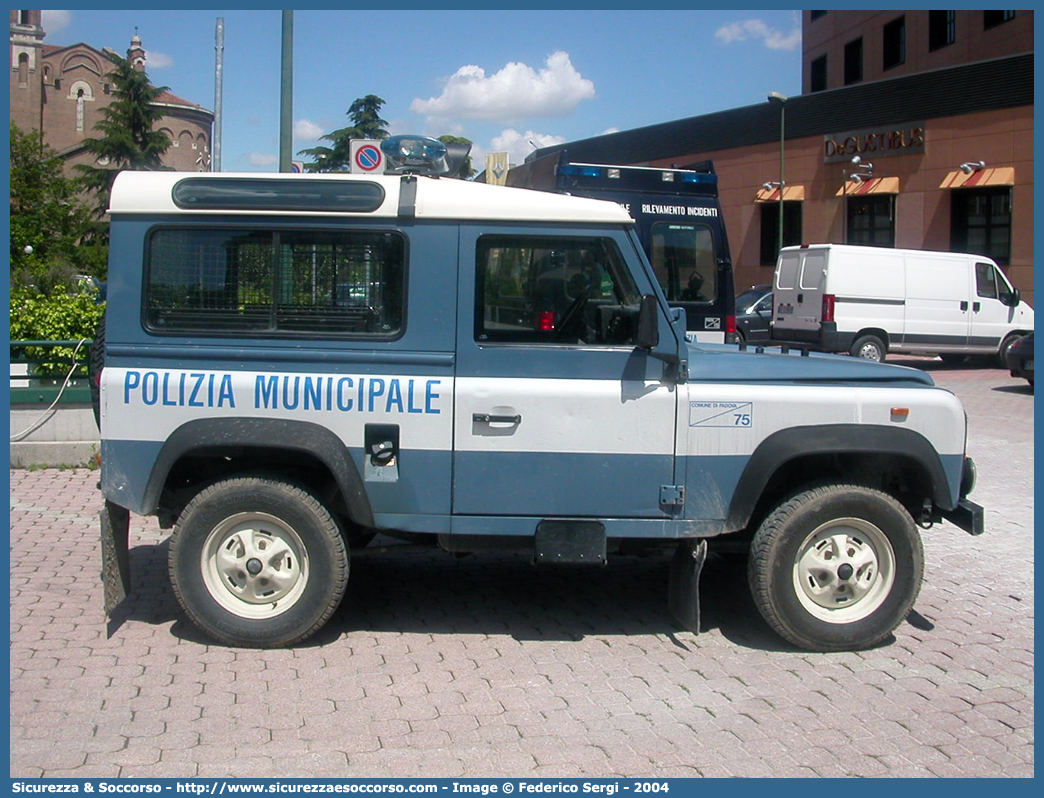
(875, 185)
(993, 176)
(790, 194)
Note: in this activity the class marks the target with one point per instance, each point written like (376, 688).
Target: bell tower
(27, 36)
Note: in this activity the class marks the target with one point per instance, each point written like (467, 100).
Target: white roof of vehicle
(436, 198)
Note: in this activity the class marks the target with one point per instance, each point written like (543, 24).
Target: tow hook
(927, 516)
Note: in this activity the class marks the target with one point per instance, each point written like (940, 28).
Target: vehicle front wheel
(257, 562)
(868, 347)
(836, 568)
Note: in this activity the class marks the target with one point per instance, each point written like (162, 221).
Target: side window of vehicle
(985, 280)
(237, 281)
(553, 290)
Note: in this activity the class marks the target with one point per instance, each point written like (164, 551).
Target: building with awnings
(933, 152)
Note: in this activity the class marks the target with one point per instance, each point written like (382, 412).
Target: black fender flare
(789, 444)
(214, 434)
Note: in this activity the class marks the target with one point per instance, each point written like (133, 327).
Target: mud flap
(115, 543)
(683, 590)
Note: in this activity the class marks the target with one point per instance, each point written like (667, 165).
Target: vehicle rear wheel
(868, 347)
(836, 568)
(257, 562)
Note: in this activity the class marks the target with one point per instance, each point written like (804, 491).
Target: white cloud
(306, 130)
(262, 159)
(156, 60)
(517, 91)
(758, 29)
(519, 145)
(54, 21)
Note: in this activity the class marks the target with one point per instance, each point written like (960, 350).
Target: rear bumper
(826, 338)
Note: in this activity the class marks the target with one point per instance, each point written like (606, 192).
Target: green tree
(50, 224)
(365, 115)
(128, 140)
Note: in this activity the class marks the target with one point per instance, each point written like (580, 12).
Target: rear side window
(252, 281)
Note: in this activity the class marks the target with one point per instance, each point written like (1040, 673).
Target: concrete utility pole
(286, 95)
(219, 63)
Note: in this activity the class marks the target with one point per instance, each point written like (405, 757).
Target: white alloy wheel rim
(870, 351)
(844, 570)
(254, 565)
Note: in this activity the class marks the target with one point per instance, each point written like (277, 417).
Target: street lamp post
(776, 97)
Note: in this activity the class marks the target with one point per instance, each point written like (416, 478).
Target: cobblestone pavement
(485, 666)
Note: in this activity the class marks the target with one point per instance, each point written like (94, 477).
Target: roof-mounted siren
(420, 155)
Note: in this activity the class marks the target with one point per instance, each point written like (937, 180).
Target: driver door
(556, 412)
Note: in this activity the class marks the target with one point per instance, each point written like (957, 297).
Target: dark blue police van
(678, 220)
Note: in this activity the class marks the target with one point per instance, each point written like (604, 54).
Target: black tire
(221, 538)
(96, 362)
(953, 359)
(802, 594)
(869, 347)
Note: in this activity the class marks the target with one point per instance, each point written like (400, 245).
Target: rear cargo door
(798, 291)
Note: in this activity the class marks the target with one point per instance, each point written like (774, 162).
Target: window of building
(854, 61)
(792, 213)
(991, 19)
(871, 220)
(980, 222)
(818, 74)
(553, 290)
(23, 70)
(23, 18)
(894, 43)
(942, 29)
(275, 282)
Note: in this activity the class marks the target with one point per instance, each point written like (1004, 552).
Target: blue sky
(504, 79)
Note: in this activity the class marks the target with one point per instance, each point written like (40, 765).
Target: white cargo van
(869, 301)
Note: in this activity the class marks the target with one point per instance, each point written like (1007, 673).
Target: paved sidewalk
(485, 666)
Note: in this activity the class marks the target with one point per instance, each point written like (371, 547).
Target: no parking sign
(367, 156)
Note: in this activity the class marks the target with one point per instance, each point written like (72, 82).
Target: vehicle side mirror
(648, 323)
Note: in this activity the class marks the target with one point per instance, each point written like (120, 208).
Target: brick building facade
(944, 135)
(60, 91)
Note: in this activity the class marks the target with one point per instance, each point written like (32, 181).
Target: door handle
(976, 306)
(486, 418)
(964, 305)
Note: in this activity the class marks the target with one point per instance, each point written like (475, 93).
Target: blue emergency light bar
(643, 174)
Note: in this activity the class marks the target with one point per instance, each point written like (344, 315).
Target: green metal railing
(34, 387)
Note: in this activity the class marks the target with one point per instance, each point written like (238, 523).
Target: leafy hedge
(56, 316)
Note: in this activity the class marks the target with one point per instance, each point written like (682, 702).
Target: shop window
(871, 221)
(854, 61)
(980, 222)
(942, 29)
(991, 19)
(818, 74)
(894, 43)
(792, 212)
